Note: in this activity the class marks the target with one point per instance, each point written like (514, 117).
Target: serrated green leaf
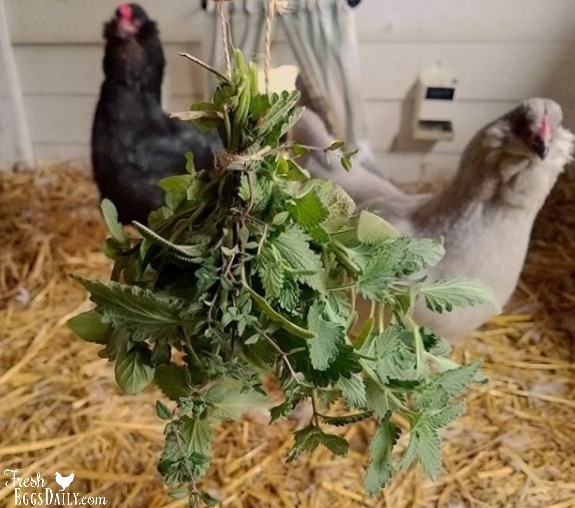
(310, 437)
(353, 391)
(305, 265)
(308, 211)
(335, 444)
(376, 398)
(280, 411)
(380, 468)
(289, 295)
(444, 295)
(144, 314)
(134, 369)
(89, 326)
(425, 445)
(324, 348)
(173, 380)
(197, 434)
(341, 421)
(394, 359)
(455, 381)
(373, 230)
(186, 454)
(275, 316)
(230, 402)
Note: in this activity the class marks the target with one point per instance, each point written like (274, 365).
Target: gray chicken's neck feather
(492, 180)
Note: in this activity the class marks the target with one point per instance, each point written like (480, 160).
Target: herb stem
(314, 405)
(282, 355)
(206, 66)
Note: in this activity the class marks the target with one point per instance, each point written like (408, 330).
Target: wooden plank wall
(501, 51)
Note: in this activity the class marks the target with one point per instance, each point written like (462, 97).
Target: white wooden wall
(501, 51)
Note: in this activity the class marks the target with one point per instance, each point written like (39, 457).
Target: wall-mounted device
(434, 106)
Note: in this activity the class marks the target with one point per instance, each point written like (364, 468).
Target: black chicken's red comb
(125, 11)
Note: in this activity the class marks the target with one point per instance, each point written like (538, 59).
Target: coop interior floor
(60, 409)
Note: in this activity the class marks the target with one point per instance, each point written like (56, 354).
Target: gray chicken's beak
(540, 148)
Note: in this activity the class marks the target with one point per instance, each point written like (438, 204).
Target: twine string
(222, 15)
(271, 8)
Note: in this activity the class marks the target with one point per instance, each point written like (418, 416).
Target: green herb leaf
(336, 145)
(141, 312)
(163, 411)
(324, 348)
(89, 327)
(230, 401)
(173, 380)
(444, 295)
(114, 227)
(373, 230)
(380, 468)
(310, 437)
(134, 369)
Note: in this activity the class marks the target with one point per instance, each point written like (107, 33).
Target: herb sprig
(252, 267)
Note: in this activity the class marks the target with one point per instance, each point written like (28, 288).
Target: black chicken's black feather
(134, 143)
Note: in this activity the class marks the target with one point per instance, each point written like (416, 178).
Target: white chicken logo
(64, 481)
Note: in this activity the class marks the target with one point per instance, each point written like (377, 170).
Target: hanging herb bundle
(252, 268)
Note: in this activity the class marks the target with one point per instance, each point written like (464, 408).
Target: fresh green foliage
(251, 267)
(444, 295)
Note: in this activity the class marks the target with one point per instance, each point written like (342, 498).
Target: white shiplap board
(49, 21)
(501, 51)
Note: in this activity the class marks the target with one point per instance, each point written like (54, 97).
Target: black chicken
(134, 143)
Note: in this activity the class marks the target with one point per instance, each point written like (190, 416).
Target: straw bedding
(60, 409)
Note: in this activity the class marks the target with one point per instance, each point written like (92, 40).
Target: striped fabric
(321, 34)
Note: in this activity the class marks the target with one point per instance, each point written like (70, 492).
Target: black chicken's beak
(540, 148)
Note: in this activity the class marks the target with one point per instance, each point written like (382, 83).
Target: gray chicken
(485, 214)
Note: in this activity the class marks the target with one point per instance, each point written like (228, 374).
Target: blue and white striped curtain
(322, 36)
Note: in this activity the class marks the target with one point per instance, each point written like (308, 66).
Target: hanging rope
(222, 15)
(268, 43)
(273, 7)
